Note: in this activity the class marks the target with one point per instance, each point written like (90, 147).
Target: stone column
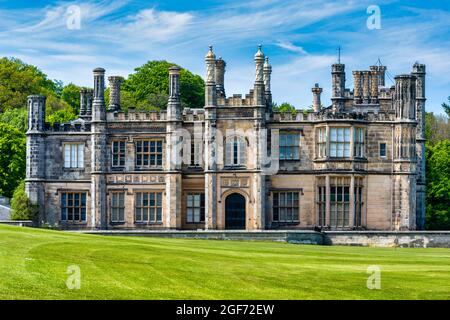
(99, 153)
(35, 161)
(366, 87)
(114, 92)
(374, 84)
(357, 91)
(316, 90)
(220, 77)
(258, 91)
(352, 202)
(210, 147)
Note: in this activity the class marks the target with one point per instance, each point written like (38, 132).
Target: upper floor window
(289, 146)
(149, 153)
(359, 142)
(322, 143)
(196, 153)
(74, 155)
(73, 206)
(235, 151)
(195, 207)
(118, 153)
(340, 142)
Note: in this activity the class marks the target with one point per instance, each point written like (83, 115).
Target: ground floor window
(73, 206)
(358, 194)
(322, 200)
(148, 207)
(195, 207)
(118, 207)
(286, 206)
(339, 202)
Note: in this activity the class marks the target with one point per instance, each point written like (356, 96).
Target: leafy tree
(446, 107)
(438, 186)
(18, 80)
(149, 85)
(16, 117)
(12, 158)
(21, 207)
(58, 111)
(71, 95)
(285, 107)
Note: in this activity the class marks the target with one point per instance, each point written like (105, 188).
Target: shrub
(22, 209)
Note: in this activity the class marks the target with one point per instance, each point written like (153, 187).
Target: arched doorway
(235, 212)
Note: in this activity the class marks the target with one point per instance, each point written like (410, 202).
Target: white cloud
(291, 47)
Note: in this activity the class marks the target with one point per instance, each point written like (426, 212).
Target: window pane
(80, 156)
(67, 156)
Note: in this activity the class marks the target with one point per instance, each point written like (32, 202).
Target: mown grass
(34, 264)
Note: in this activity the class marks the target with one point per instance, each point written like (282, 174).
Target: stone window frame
(385, 150)
(239, 158)
(118, 207)
(64, 207)
(277, 207)
(155, 153)
(340, 206)
(155, 207)
(121, 155)
(323, 141)
(193, 207)
(80, 147)
(344, 143)
(359, 142)
(294, 145)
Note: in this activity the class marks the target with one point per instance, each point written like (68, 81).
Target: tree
(446, 107)
(18, 80)
(150, 85)
(438, 186)
(21, 207)
(58, 111)
(437, 128)
(16, 117)
(12, 158)
(285, 107)
(71, 94)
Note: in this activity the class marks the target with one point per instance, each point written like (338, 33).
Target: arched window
(235, 153)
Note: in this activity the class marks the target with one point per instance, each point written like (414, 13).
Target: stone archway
(235, 216)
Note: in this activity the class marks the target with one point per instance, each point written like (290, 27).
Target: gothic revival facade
(235, 163)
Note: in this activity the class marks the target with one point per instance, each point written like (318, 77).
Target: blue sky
(300, 38)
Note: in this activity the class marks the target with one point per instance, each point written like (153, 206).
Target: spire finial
(339, 54)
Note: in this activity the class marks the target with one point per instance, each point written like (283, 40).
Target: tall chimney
(174, 104)
(114, 92)
(98, 105)
(316, 90)
(366, 86)
(374, 73)
(338, 86)
(210, 84)
(267, 71)
(357, 91)
(220, 77)
(258, 91)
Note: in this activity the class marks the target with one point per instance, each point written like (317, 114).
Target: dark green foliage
(149, 87)
(285, 107)
(16, 117)
(438, 186)
(18, 80)
(22, 209)
(12, 158)
(446, 107)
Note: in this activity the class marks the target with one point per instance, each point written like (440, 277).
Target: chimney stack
(114, 92)
(316, 90)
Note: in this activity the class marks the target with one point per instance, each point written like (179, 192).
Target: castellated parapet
(235, 163)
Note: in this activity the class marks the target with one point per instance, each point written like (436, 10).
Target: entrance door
(235, 212)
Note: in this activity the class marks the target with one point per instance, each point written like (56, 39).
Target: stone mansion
(235, 163)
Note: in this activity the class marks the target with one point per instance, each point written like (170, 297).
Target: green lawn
(33, 265)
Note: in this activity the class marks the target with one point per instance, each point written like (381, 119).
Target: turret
(36, 113)
(220, 77)
(405, 97)
(381, 75)
(114, 92)
(316, 90)
(98, 104)
(174, 105)
(267, 72)
(258, 91)
(338, 86)
(210, 84)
